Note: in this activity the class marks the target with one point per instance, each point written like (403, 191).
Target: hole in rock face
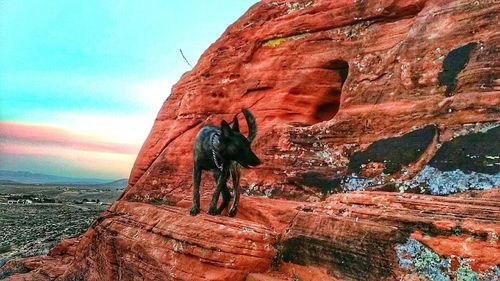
(328, 103)
(310, 95)
(328, 106)
(341, 67)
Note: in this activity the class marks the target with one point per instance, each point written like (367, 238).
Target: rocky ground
(32, 229)
(377, 123)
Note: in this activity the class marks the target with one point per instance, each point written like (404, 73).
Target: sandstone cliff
(378, 128)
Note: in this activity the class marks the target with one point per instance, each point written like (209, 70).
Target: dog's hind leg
(212, 210)
(235, 176)
(195, 209)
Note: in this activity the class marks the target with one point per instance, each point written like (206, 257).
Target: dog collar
(215, 142)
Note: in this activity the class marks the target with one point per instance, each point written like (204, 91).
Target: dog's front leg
(235, 176)
(195, 209)
(212, 210)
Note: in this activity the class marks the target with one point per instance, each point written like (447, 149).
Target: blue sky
(98, 70)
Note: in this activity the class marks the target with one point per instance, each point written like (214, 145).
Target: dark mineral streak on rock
(454, 62)
(477, 152)
(395, 152)
(325, 184)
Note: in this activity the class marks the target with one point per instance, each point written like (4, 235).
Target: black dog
(223, 151)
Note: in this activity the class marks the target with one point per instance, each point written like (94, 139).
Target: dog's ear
(225, 129)
(236, 125)
(252, 125)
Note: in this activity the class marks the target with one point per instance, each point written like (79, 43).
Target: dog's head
(234, 146)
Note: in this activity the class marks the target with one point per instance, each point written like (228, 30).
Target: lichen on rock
(415, 257)
(438, 182)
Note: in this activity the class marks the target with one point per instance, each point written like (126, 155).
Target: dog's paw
(194, 210)
(232, 212)
(213, 211)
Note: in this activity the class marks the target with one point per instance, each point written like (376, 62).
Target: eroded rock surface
(366, 112)
(355, 236)
(328, 83)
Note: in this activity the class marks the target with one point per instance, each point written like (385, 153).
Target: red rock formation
(394, 96)
(346, 237)
(325, 79)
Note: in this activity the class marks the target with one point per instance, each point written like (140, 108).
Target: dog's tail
(252, 125)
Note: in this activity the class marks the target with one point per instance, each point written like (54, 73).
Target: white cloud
(142, 97)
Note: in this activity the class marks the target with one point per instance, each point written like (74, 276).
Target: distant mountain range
(23, 177)
(121, 183)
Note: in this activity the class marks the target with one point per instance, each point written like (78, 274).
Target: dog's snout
(255, 161)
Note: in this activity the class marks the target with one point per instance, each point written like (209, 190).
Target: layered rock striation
(343, 93)
(377, 123)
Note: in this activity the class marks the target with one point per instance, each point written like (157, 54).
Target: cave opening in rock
(329, 102)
